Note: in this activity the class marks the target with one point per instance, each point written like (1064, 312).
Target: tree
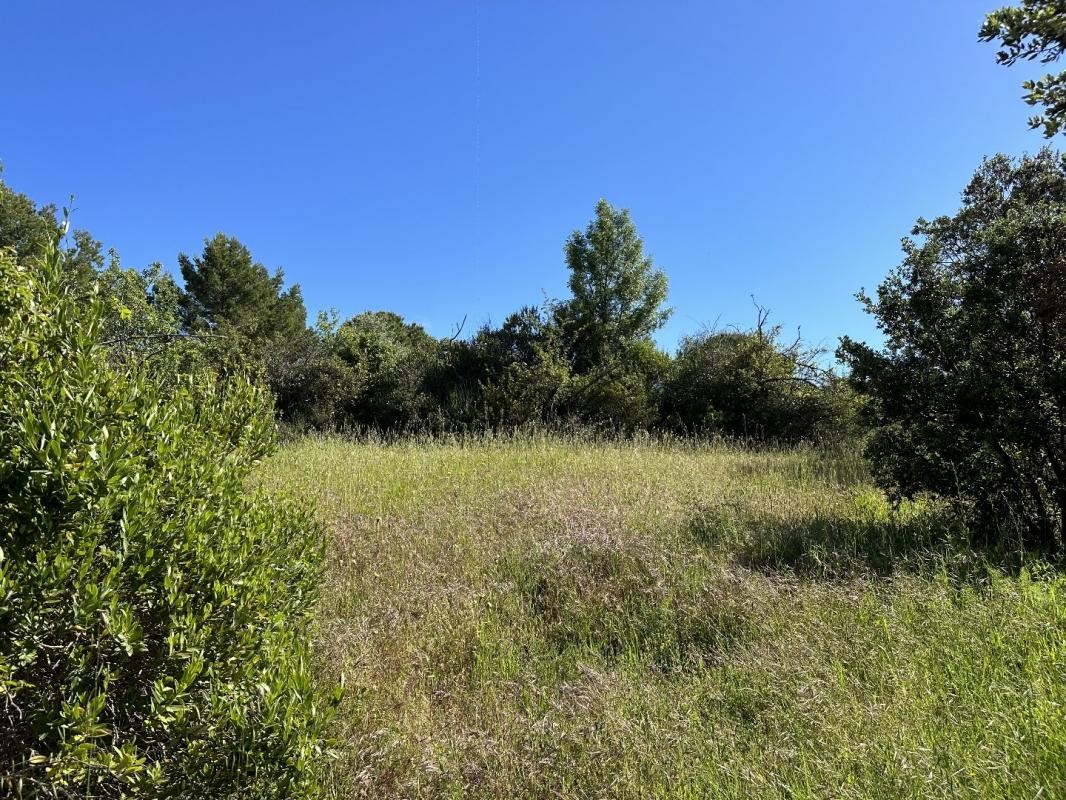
(28, 230)
(246, 323)
(390, 359)
(224, 286)
(968, 396)
(141, 309)
(313, 386)
(750, 384)
(25, 229)
(1034, 31)
(605, 328)
(621, 395)
(522, 372)
(618, 294)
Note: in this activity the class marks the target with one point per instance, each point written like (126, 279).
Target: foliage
(29, 230)
(154, 614)
(390, 359)
(751, 385)
(623, 392)
(618, 294)
(588, 360)
(313, 386)
(969, 395)
(595, 361)
(1034, 31)
(141, 315)
(246, 322)
(523, 372)
(224, 285)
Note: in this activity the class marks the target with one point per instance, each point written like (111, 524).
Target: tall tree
(618, 295)
(1034, 31)
(225, 286)
(968, 396)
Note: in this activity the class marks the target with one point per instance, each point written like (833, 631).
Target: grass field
(547, 618)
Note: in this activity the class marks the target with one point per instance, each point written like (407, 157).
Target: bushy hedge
(154, 612)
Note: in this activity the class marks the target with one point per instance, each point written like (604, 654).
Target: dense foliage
(588, 360)
(750, 385)
(154, 613)
(969, 395)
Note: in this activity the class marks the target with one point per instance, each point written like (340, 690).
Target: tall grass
(536, 616)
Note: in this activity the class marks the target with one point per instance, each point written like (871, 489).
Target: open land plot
(543, 617)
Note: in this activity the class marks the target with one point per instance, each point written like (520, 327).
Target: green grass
(548, 618)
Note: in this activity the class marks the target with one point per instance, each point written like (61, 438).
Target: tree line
(586, 360)
(965, 401)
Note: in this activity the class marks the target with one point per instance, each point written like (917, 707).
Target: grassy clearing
(546, 618)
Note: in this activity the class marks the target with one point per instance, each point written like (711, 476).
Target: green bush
(154, 612)
(750, 384)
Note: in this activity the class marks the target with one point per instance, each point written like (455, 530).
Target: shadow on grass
(616, 602)
(868, 539)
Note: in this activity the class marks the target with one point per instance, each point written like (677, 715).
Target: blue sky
(431, 158)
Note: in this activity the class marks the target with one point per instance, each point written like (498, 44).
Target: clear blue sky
(431, 158)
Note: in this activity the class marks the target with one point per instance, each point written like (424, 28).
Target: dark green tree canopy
(968, 396)
(224, 285)
(755, 385)
(25, 228)
(1034, 31)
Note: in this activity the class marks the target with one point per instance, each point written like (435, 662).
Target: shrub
(749, 384)
(619, 394)
(968, 397)
(154, 613)
(390, 359)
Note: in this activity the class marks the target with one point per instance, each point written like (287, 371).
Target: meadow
(539, 617)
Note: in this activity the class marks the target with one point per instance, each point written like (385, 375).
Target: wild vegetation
(968, 399)
(589, 360)
(558, 561)
(547, 617)
(154, 614)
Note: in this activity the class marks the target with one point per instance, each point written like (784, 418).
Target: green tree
(1034, 31)
(617, 302)
(968, 396)
(141, 309)
(522, 371)
(622, 394)
(313, 386)
(751, 384)
(391, 360)
(618, 295)
(244, 321)
(225, 287)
